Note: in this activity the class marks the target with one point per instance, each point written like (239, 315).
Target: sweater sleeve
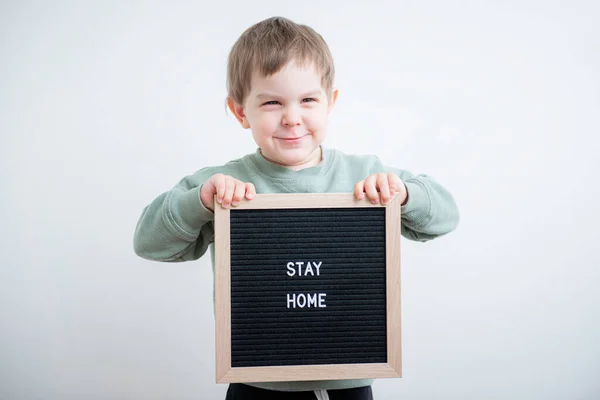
(430, 210)
(175, 226)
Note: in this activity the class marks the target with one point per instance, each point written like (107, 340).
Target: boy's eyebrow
(270, 95)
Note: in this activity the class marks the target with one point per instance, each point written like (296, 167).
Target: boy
(280, 86)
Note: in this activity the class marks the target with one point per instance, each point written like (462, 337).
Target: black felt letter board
(331, 309)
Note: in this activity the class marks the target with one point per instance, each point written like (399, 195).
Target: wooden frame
(226, 374)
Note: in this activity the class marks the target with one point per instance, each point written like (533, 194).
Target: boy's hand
(229, 191)
(384, 186)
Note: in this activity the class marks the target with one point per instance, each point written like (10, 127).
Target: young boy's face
(288, 113)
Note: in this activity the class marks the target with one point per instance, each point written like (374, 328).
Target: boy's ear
(334, 96)
(238, 111)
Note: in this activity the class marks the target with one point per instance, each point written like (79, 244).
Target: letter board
(307, 288)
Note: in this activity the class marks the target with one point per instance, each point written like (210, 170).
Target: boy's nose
(291, 117)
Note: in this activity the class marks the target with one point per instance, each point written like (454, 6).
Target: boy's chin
(299, 158)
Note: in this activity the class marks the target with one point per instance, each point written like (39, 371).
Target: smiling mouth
(292, 140)
(292, 137)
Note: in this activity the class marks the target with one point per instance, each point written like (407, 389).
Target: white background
(104, 105)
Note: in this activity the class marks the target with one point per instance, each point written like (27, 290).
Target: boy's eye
(270, 103)
(308, 100)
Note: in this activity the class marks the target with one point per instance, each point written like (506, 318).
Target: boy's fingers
(250, 191)
(207, 195)
(384, 187)
(238, 193)
(395, 183)
(371, 188)
(359, 190)
(219, 184)
(229, 188)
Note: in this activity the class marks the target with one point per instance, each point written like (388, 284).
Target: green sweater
(177, 227)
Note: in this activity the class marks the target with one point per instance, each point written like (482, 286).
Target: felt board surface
(331, 309)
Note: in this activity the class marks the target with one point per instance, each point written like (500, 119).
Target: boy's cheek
(322, 117)
(266, 126)
(318, 122)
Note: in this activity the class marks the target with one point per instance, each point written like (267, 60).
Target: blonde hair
(268, 46)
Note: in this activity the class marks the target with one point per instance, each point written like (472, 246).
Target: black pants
(239, 391)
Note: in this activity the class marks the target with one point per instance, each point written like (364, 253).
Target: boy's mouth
(292, 139)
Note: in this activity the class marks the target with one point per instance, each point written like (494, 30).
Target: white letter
(303, 297)
(317, 266)
(292, 300)
(299, 264)
(291, 271)
(322, 299)
(312, 299)
(308, 268)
